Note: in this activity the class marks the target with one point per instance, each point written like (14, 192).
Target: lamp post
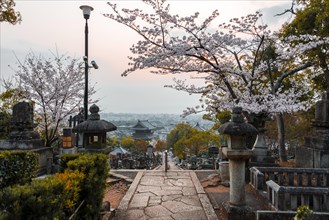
(86, 14)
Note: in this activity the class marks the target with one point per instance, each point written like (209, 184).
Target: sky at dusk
(48, 25)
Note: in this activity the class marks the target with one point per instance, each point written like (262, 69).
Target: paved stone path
(172, 195)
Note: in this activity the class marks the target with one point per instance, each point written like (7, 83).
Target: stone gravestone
(22, 137)
(315, 152)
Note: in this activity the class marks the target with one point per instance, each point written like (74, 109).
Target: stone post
(237, 152)
(166, 161)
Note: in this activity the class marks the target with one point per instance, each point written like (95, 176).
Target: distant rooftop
(143, 125)
(198, 127)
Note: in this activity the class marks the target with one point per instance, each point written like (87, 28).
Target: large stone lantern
(237, 131)
(94, 131)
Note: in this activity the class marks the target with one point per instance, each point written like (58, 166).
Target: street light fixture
(86, 15)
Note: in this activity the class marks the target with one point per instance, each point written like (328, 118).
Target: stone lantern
(94, 131)
(237, 131)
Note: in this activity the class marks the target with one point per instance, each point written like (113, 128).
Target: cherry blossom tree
(8, 13)
(242, 62)
(56, 87)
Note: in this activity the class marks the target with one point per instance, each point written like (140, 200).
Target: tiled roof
(143, 125)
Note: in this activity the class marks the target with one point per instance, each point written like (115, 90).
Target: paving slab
(139, 201)
(159, 195)
(190, 215)
(157, 211)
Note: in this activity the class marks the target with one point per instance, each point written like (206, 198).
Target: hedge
(95, 168)
(83, 181)
(52, 198)
(17, 167)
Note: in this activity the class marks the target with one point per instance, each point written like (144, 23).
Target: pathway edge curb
(206, 204)
(130, 193)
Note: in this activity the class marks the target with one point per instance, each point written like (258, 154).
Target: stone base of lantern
(238, 212)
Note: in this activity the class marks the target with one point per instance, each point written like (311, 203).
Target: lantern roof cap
(238, 125)
(94, 124)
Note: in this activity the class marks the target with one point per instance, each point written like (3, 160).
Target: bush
(95, 169)
(52, 198)
(17, 167)
(303, 212)
(58, 196)
(65, 159)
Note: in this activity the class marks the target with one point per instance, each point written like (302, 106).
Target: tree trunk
(281, 137)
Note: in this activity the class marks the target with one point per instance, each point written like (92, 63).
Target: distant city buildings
(151, 126)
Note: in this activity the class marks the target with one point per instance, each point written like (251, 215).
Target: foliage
(300, 120)
(56, 197)
(65, 160)
(5, 124)
(134, 145)
(201, 141)
(303, 212)
(313, 19)
(140, 145)
(17, 167)
(127, 143)
(112, 141)
(52, 198)
(8, 13)
(56, 85)
(8, 99)
(220, 118)
(184, 139)
(179, 148)
(95, 168)
(72, 181)
(160, 145)
(181, 130)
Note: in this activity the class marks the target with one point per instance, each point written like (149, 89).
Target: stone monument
(23, 137)
(315, 152)
(261, 154)
(150, 151)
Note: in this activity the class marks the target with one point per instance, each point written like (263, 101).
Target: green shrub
(95, 169)
(58, 196)
(65, 159)
(303, 212)
(17, 167)
(52, 198)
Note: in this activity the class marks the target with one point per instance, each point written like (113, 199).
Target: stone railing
(298, 177)
(285, 198)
